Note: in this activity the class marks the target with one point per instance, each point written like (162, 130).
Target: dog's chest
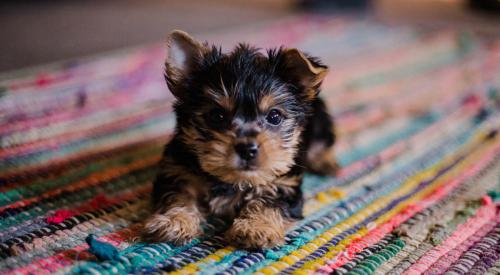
(226, 200)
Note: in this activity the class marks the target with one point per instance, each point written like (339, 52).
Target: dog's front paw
(253, 233)
(177, 225)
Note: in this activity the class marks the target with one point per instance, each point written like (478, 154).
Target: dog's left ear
(184, 54)
(308, 72)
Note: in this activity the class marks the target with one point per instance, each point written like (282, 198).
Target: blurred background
(38, 32)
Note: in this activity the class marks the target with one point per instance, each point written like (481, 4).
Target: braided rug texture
(417, 116)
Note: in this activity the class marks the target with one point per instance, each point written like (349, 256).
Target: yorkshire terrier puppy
(249, 124)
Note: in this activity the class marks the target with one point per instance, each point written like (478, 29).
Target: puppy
(249, 124)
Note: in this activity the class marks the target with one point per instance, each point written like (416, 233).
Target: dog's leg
(320, 138)
(258, 226)
(176, 215)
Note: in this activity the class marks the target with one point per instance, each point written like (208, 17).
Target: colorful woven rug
(417, 111)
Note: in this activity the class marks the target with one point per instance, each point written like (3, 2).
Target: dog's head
(241, 113)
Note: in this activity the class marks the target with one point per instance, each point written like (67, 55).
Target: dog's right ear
(183, 54)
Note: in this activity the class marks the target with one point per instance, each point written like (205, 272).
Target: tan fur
(311, 75)
(258, 226)
(195, 48)
(288, 181)
(226, 205)
(311, 94)
(224, 100)
(178, 224)
(217, 157)
(195, 186)
(178, 218)
(273, 160)
(266, 103)
(322, 160)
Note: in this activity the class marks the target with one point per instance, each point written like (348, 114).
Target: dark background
(38, 32)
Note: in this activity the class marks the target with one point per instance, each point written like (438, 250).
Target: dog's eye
(217, 116)
(274, 117)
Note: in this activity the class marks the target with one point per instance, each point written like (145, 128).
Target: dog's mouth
(245, 165)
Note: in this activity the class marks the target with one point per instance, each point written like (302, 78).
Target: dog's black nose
(247, 151)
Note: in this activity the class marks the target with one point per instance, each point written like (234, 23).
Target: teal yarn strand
(103, 251)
